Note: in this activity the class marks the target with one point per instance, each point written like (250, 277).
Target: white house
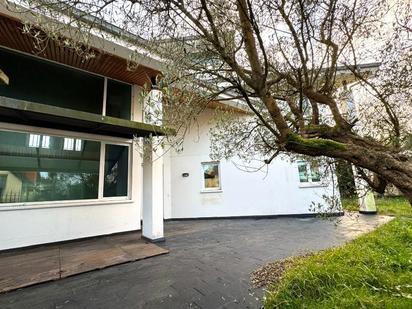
(70, 167)
(200, 187)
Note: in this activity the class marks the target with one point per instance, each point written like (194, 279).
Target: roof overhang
(35, 114)
(229, 106)
(111, 59)
(345, 74)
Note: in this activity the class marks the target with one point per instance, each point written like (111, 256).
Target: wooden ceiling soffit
(109, 65)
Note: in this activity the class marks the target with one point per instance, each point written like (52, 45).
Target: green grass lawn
(393, 206)
(372, 271)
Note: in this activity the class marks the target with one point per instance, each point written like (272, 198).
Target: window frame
(66, 66)
(40, 138)
(211, 190)
(68, 143)
(102, 171)
(310, 183)
(76, 135)
(44, 144)
(34, 137)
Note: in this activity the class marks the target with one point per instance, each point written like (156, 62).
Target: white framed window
(72, 144)
(98, 169)
(115, 172)
(68, 143)
(308, 172)
(211, 176)
(78, 145)
(34, 140)
(45, 142)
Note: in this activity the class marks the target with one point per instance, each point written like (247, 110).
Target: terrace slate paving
(208, 265)
(28, 266)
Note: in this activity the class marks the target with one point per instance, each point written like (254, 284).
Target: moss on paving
(373, 271)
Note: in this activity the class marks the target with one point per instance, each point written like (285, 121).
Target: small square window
(211, 175)
(308, 172)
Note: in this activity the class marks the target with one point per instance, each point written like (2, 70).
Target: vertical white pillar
(167, 185)
(153, 175)
(137, 158)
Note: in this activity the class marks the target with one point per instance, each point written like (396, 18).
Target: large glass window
(118, 100)
(211, 176)
(44, 82)
(116, 170)
(36, 167)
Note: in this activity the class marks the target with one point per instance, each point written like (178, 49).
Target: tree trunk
(403, 183)
(379, 184)
(346, 180)
(376, 182)
(408, 195)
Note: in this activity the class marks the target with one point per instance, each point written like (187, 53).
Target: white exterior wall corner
(278, 192)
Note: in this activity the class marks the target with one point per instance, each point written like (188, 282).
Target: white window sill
(313, 185)
(59, 204)
(212, 191)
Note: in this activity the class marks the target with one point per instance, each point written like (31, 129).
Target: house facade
(71, 134)
(203, 188)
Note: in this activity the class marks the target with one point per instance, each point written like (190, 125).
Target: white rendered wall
(26, 227)
(243, 194)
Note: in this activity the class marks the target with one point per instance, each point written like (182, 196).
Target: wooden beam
(4, 79)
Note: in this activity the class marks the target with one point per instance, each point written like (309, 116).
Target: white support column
(153, 174)
(167, 185)
(137, 158)
(153, 195)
